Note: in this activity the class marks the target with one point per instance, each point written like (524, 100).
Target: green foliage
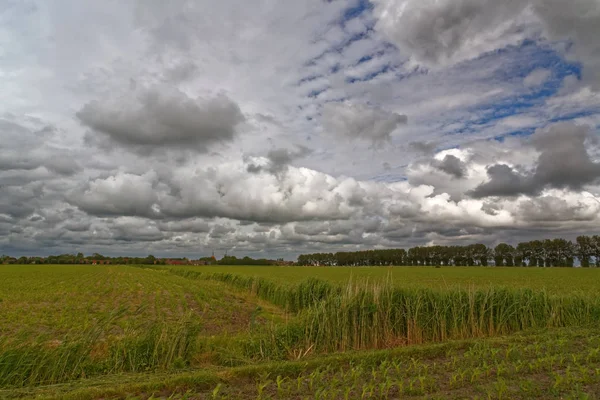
(363, 316)
(546, 253)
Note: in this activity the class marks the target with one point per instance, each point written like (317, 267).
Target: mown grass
(554, 280)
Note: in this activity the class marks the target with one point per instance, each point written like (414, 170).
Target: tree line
(97, 258)
(536, 253)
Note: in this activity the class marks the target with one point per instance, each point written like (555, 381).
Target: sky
(273, 128)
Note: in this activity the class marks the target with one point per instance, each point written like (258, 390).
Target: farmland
(553, 280)
(281, 332)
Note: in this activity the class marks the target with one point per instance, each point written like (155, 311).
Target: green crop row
(556, 364)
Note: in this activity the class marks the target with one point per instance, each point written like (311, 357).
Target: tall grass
(27, 362)
(379, 315)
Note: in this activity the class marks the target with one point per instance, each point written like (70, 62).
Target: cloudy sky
(272, 128)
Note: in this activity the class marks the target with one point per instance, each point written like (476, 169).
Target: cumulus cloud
(190, 169)
(504, 181)
(116, 195)
(162, 117)
(357, 121)
(130, 229)
(451, 165)
(563, 162)
(278, 160)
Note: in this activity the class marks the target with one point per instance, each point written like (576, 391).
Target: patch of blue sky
(337, 49)
(382, 70)
(516, 133)
(354, 11)
(365, 59)
(517, 63)
(314, 93)
(529, 56)
(575, 115)
(308, 79)
(357, 9)
(389, 178)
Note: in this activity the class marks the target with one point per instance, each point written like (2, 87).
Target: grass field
(278, 332)
(554, 280)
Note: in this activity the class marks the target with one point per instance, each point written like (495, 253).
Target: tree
(480, 253)
(504, 255)
(524, 253)
(537, 253)
(584, 250)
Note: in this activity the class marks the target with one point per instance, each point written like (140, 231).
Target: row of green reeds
(379, 315)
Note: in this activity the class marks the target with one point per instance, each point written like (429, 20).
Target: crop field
(296, 332)
(553, 280)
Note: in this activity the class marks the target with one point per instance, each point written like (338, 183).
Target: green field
(554, 280)
(298, 332)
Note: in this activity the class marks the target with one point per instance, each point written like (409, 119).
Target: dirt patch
(233, 314)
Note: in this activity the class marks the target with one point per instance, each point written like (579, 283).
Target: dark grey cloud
(579, 22)
(423, 147)
(78, 226)
(440, 33)
(62, 164)
(58, 163)
(437, 33)
(220, 230)
(311, 229)
(553, 210)
(194, 225)
(135, 230)
(10, 162)
(181, 71)
(158, 118)
(504, 181)
(357, 121)
(26, 148)
(279, 160)
(451, 165)
(563, 162)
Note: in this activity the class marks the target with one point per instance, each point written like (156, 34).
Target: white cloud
(537, 77)
(125, 120)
